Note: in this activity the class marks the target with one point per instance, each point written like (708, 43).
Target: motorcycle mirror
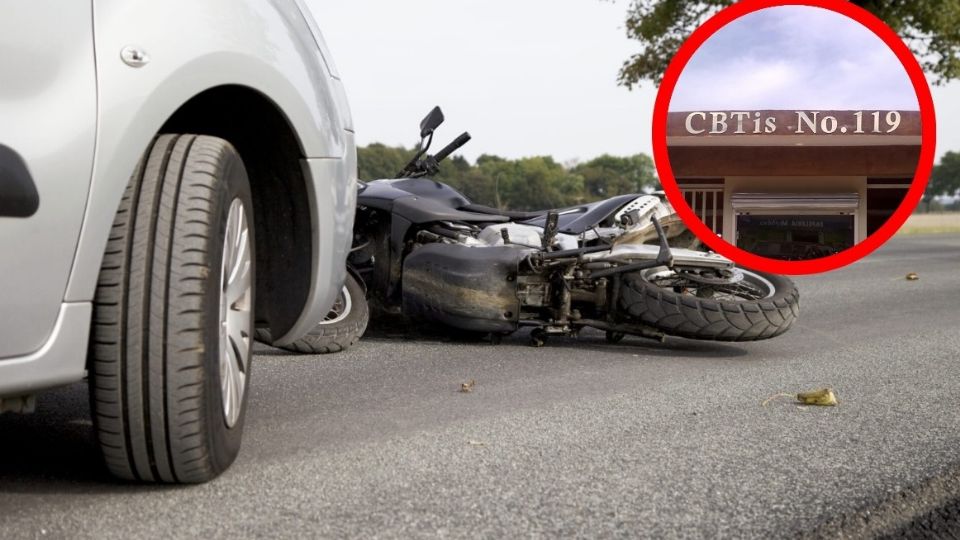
(431, 122)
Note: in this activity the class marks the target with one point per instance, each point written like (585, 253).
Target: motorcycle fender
(472, 288)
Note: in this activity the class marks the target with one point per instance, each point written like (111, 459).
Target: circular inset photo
(792, 133)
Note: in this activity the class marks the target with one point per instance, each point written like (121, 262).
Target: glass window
(795, 237)
(881, 204)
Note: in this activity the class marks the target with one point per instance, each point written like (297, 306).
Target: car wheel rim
(236, 321)
(341, 308)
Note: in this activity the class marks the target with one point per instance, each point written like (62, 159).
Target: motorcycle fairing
(581, 218)
(426, 210)
(383, 193)
(430, 189)
(410, 201)
(517, 215)
(421, 200)
(469, 288)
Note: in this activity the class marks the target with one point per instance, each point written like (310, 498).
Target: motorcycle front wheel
(340, 330)
(760, 306)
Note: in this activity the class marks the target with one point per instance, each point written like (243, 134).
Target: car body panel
(109, 118)
(269, 48)
(55, 363)
(334, 247)
(47, 62)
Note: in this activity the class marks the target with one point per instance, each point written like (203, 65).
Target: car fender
(268, 47)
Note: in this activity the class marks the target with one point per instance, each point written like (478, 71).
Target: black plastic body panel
(431, 189)
(512, 214)
(582, 218)
(379, 194)
(421, 200)
(473, 288)
(425, 210)
(382, 193)
(18, 192)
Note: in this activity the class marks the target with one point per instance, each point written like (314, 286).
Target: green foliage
(523, 184)
(945, 178)
(661, 26)
(607, 176)
(380, 161)
(929, 27)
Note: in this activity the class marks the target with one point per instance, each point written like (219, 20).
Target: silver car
(173, 175)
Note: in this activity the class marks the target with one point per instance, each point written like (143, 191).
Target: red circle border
(847, 256)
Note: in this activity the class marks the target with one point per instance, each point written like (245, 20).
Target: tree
(929, 27)
(531, 183)
(608, 176)
(945, 178)
(377, 161)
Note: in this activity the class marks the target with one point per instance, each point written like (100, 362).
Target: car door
(48, 105)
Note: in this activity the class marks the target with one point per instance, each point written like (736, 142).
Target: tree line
(535, 183)
(944, 181)
(530, 183)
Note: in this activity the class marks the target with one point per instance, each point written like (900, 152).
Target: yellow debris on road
(823, 397)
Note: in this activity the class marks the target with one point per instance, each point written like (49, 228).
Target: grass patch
(938, 223)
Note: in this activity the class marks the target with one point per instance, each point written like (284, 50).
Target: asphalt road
(577, 438)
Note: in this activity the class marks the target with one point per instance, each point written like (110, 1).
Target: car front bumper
(62, 359)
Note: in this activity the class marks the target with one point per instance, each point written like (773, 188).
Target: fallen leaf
(823, 397)
(467, 386)
(912, 276)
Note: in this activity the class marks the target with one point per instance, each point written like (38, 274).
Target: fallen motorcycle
(424, 251)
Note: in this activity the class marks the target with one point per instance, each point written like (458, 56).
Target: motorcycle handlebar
(450, 148)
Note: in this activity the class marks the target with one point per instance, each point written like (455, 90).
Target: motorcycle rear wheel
(761, 306)
(342, 328)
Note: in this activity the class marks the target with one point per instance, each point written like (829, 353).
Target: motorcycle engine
(520, 235)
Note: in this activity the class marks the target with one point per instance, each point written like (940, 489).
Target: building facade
(794, 184)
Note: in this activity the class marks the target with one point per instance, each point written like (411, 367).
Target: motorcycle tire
(343, 327)
(699, 314)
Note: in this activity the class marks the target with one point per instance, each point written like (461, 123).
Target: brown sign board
(720, 161)
(806, 123)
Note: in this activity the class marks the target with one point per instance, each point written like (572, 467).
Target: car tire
(173, 315)
(342, 328)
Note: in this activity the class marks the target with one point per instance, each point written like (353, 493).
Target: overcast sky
(538, 77)
(794, 57)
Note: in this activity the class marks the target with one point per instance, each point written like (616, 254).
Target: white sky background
(794, 57)
(524, 77)
(538, 77)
